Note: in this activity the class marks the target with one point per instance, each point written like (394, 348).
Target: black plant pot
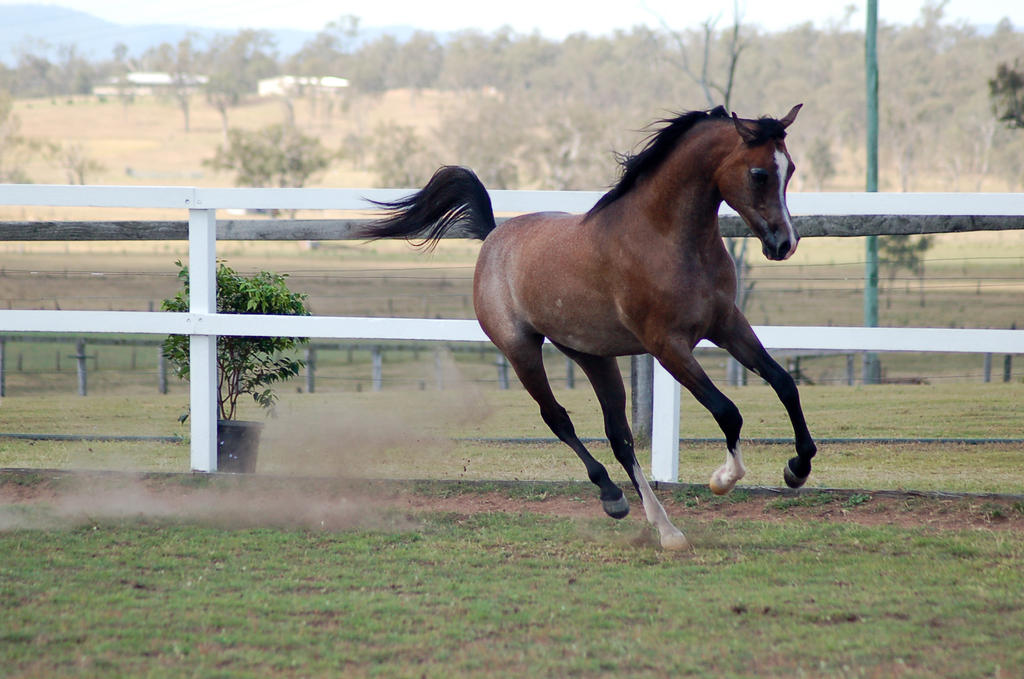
(237, 445)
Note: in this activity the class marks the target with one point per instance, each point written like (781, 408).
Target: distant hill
(43, 28)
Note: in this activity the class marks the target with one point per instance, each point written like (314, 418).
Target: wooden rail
(842, 226)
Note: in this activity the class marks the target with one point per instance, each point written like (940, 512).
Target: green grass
(502, 595)
(432, 434)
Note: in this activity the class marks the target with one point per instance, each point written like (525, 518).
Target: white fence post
(665, 426)
(202, 263)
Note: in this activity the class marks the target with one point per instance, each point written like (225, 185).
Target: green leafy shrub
(245, 365)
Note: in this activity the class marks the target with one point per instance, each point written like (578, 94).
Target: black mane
(657, 148)
(661, 143)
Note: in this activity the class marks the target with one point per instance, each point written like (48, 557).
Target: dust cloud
(317, 461)
(244, 502)
(386, 434)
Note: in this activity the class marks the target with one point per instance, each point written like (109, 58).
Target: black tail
(454, 197)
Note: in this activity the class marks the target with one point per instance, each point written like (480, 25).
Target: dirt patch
(341, 504)
(906, 511)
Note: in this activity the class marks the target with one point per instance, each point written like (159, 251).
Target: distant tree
(716, 77)
(75, 73)
(373, 71)
(328, 52)
(15, 149)
(490, 134)
(1006, 91)
(120, 53)
(399, 156)
(275, 156)
(118, 69)
(419, 61)
(820, 158)
(475, 60)
(35, 75)
(903, 252)
(182, 63)
(76, 162)
(569, 149)
(235, 64)
(914, 104)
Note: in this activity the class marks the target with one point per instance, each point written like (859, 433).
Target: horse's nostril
(782, 249)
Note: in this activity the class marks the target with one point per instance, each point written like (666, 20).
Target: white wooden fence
(203, 324)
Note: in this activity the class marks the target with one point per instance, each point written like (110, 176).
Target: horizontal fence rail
(838, 226)
(826, 214)
(839, 214)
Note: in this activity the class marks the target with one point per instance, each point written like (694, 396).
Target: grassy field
(115, 576)
(145, 143)
(457, 434)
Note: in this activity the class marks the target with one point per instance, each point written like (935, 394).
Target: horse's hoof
(793, 480)
(617, 509)
(676, 542)
(719, 487)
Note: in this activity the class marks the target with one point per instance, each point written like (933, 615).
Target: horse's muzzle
(778, 247)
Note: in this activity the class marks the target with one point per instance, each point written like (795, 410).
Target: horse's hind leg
(527, 360)
(740, 341)
(606, 379)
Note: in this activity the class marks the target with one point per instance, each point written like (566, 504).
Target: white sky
(553, 18)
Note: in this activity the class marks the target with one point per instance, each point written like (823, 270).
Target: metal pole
(161, 371)
(439, 369)
(642, 383)
(310, 370)
(1008, 361)
(82, 376)
(378, 367)
(502, 364)
(872, 369)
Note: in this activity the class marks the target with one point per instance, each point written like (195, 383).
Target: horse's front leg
(677, 358)
(739, 339)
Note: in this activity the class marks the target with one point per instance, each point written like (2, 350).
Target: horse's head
(753, 180)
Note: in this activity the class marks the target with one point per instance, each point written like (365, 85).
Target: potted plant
(245, 365)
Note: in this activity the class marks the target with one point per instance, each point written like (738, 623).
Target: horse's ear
(788, 119)
(746, 128)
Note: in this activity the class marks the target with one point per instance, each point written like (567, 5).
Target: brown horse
(645, 270)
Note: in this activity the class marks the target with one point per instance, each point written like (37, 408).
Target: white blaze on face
(782, 165)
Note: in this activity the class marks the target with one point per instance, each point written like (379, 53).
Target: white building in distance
(292, 85)
(145, 83)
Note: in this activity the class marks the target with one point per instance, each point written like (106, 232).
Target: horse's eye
(759, 175)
